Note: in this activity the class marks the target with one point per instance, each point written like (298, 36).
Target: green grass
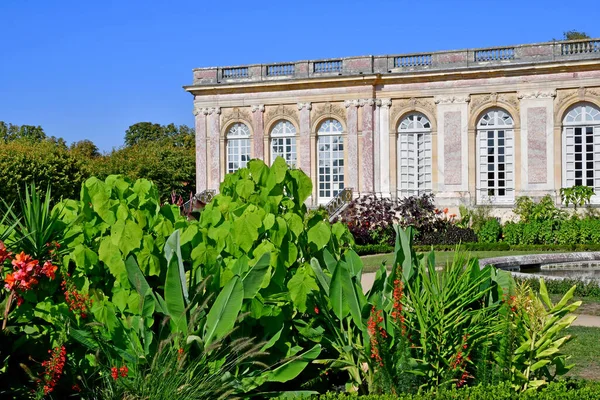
(584, 351)
(373, 262)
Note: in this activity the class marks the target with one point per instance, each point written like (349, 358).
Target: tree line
(162, 153)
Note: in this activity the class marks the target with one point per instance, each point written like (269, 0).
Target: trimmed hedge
(586, 289)
(382, 249)
(565, 390)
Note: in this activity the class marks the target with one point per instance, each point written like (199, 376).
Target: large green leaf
(254, 278)
(224, 312)
(127, 235)
(173, 255)
(323, 279)
(245, 231)
(355, 264)
(110, 255)
(174, 295)
(300, 286)
(292, 368)
(342, 293)
(319, 234)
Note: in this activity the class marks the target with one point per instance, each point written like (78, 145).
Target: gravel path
(582, 319)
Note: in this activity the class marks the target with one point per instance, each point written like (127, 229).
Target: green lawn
(584, 351)
(373, 262)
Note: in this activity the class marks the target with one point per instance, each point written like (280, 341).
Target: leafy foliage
(171, 134)
(576, 195)
(544, 210)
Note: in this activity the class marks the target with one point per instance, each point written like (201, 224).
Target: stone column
(201, 155)
(259, 131)
(214, 150)
(537, 143)
(366, 141)
(376, 147)
(383, 150)
(304, 148)
(351, 163)
(453, 152)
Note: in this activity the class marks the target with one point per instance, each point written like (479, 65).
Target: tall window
(238, 147)
(283, 142)
(581, 148)
(414, 155)
(330, 159)
(495, 149)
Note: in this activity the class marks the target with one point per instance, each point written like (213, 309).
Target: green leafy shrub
(490, 231)
(42, 163)
(567, 232)
(577, 195)
(171, 168)
(544, 210)
(587, 288)
(512, 233)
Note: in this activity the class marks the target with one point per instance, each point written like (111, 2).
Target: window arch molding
(225, 129)
(570, 102)
(499, 103)
(274, 121)
(316, 125)
(405, 112)
(495, 156)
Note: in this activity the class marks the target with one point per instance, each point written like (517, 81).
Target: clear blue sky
(88, 69)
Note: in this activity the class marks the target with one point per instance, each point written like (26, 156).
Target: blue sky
(89, 69)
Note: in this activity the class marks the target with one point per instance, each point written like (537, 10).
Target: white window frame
(238, 147)
(414, 163)
(330, 132)
(496, 126)
(586, 118)
(283, 137)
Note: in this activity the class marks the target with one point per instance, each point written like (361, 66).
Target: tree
(84, 148)
(180, 136)
(575, 35)
(10, 132)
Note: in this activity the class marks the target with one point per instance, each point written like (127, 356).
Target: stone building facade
(477, 126)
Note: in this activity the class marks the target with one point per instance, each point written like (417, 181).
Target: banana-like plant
(538, 324)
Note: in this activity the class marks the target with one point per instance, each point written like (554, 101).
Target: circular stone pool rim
(513, 263)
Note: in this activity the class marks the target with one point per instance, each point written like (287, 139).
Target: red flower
(4, 254)
(53, 368)
(10, 281)
(114, 372)
(316, 310)
(78, 302)
(123, 371)
(49, 270)
(375, 332)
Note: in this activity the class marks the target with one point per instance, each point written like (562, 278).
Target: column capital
(366, 102)
(452, 99)
(258, 107)
(306, 105)
(352, 103)
(385, 103)
(214, 110)
(539, 94)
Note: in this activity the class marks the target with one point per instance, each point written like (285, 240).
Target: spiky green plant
(37, 226)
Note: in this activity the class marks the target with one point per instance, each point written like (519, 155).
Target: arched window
(495, 152)
(330, 159)
(283, 142)
(238, 147)
(581, 148)
(414, 155)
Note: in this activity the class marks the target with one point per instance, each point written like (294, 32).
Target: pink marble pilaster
(351, 164)
(259, 130)
(537, 157)
(304, 139)
(201, 170)
(214, 150)
(377, 146)
(366, 156)
(452, 148)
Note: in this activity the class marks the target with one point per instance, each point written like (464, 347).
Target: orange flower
(10, 281)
